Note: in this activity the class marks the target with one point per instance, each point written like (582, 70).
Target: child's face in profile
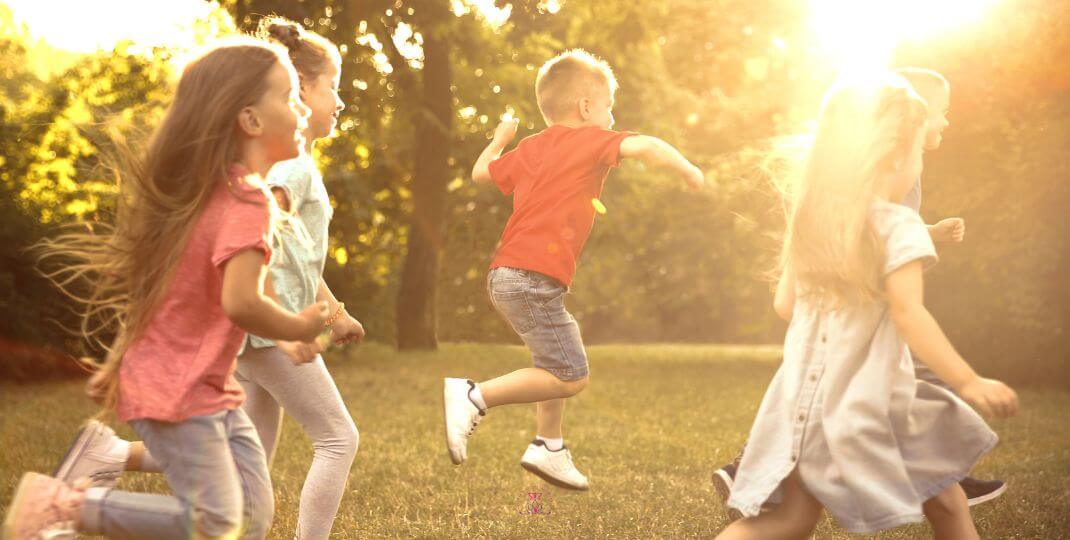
(939, 99)
(321, 97)
(282, 116)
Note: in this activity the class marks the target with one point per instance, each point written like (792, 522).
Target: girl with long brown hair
(180, 277)
(272, 382)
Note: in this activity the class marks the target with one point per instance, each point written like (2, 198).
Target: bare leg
(795, 517)
(528, 385)
(135, 457)
(950, 515)
(139, 459)
(549, 416)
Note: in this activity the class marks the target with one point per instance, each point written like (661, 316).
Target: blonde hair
(310, 52)
(119, 274)
(867, 128)
(923, 80)
(566, 78)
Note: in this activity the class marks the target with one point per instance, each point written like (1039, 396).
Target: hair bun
(285, 32)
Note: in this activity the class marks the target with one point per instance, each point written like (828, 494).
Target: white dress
(871, 442)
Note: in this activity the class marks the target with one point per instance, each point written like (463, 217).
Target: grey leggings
(307, 392)
(217, 470)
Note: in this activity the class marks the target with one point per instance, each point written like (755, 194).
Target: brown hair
(126, 268)
(310, 52)
(568, 77)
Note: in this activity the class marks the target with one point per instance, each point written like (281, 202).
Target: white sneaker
(97, 454)
(462, 416)
(554, 467)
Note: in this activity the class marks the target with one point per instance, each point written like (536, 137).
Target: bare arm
(919, 329)
(324, 294)
(660, 154)
(245, 302)
(784, 299)
(503, 134)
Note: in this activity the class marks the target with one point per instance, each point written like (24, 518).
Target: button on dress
(870, 442)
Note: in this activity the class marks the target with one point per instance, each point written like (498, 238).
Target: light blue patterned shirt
(913, 199)
(301, 241)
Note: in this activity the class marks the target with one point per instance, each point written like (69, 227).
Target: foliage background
(718, 78)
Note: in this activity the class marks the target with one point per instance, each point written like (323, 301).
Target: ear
(250, 123)
(585, 108)
(302, 88)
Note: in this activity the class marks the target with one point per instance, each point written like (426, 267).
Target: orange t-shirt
(554, 177)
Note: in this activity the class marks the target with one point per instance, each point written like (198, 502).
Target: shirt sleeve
(906, 239)
(294, 178)
(246, 224)
(503, 169)
(606, 145)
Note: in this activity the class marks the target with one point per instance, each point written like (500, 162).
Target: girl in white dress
(844, 424)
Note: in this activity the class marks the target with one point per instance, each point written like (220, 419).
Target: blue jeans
(534, 305)
(216, 467)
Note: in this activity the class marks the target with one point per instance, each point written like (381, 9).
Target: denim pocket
(516, 309)
(548, 291)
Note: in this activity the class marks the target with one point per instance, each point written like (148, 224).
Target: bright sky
(864, 33)
(88, 25)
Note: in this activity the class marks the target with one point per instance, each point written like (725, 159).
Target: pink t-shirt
(183, 364)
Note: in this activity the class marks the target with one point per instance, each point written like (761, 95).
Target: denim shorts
(534, 305)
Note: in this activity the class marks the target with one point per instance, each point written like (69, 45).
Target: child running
(271, 380)
(936, 91)
(181, 276)
(844, 424)
(555, 178)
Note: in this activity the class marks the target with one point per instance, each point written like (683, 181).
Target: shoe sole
(20, 492)
(722, 483)
(457, 460)
(550, 479)
(987, 497)
(74, 453)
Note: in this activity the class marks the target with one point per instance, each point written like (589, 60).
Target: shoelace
(475, 423)
(104, 475)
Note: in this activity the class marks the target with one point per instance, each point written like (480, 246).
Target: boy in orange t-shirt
(555, 178)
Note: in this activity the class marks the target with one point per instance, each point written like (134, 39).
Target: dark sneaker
(723, 479)
(982, 491)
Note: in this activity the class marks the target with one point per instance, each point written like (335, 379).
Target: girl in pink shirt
(180, 277)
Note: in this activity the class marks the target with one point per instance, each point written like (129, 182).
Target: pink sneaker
(43, 508)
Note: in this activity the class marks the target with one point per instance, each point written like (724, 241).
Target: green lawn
(648, 431)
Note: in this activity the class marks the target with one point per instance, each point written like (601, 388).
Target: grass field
(648, 431)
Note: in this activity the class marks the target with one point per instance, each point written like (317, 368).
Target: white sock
(117, 451)
(477, 398)
(552, 445)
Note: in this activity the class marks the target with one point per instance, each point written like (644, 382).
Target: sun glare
(863, 34)
(86, 27)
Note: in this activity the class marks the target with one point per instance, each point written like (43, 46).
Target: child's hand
(347, 330)
(506, 130)
(299, 352)
(990, 397)
(314, 319)
(694, 177)
(949, 230)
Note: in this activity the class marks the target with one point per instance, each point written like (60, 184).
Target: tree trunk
(416, 322)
